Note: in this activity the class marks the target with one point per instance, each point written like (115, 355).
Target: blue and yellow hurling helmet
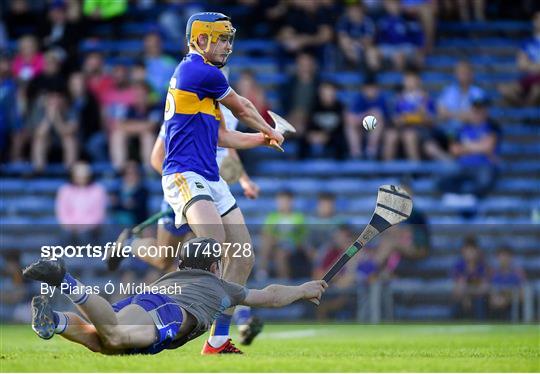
(214, 25)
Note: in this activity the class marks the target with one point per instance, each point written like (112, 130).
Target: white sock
(63, 321)
(218, 340)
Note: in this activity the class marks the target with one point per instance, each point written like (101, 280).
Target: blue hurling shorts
(165, 313)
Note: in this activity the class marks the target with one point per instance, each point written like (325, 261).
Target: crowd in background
(54, 97)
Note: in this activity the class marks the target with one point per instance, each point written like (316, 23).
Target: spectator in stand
(453, 110)
(130, 203)
(398, 38)
(81, 205)
(248, 87)
(356, 34)
(140, 121)
(308, 28)
(454, 103)
(414, 114)
(475, 151)
(28, 63)
(84, 110)
(159, 66)
(98, 81)
(470, 282)
(10, 124)
(21, 19)
(52, 115)
(479, 9)
(325, 134)
(343, 299)
(323, 224)
(527, 90)
(370, 101)
(283, 235)
(61, 33)
(425, 11)
(506, 279)
(300, 94)
(50, 78)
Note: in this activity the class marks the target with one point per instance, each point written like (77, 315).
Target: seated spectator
(248, 87)
(52, 116)
(506, 279)
(398, 38)
(50, 78)
(300, 93)
(527, 90)
(60, 33)
(479, 9)
(413, 118)
(425, 11)
(10, 124)
(81, 205)
(325, 133)
(28, 62)
(343, 300)
(99, 82)
(470, 282)
(283, 235)
(356, 33)
(130, 203)
(323, 224)
(370, 101)
(104, 12)
(141, 121)
(308, 28)
(159, 66)
(20, 19)
(475, 151)
(454, 103)
(84, 109)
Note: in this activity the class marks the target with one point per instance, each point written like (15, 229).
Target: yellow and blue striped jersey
(192, 117)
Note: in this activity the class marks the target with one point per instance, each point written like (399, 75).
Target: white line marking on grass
(294, 334)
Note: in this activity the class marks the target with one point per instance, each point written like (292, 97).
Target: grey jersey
(203, 295)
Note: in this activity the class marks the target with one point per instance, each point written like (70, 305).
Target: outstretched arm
(275, 295)
(245, 111)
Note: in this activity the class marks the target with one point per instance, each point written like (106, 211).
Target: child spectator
(28, 62)
(282, 236)
(81, 205)
(413, 117)
(370, 101)
(506, 279)
(470, 282)
(130, 203)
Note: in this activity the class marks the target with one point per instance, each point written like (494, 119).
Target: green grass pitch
(304, 348)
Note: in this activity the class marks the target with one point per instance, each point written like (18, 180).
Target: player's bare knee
(111, 338)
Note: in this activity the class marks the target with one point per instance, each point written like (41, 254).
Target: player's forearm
(283, 295)
(240, 140)
(251, 118)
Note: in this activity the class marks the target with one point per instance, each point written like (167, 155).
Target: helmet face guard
(218, 29)
(199, 253)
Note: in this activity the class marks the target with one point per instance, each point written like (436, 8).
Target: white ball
(369, 122)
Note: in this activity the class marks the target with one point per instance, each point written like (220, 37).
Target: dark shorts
(168, 221)
(167, 316)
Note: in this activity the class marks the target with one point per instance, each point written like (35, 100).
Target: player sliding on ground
(170, 236)
(193, 122)
(149, 323)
